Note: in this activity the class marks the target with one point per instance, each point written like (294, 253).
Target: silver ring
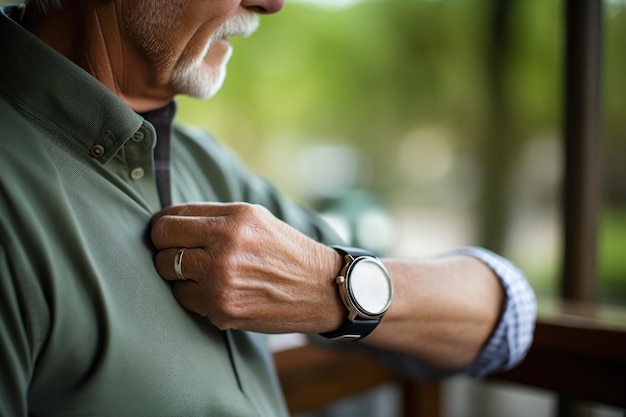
(178, 264)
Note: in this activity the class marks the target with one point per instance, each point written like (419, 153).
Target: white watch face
(370, 286)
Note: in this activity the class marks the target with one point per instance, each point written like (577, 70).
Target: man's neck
(89, 35)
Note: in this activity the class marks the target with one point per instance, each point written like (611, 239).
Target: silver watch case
(365, 287)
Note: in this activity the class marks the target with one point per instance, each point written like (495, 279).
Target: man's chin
(203, 78)
(200, 85)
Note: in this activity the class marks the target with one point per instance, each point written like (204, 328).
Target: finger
(198, 224)
(167, 225)
(196, 209)
(189, 261)
(187, 231)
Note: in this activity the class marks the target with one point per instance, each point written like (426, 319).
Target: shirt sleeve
(513, 335)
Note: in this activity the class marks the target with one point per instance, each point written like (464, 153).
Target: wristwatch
(365, 289)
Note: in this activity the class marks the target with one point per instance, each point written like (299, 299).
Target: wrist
(334, 309)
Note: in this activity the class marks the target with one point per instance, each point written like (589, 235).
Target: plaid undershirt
(162, 120)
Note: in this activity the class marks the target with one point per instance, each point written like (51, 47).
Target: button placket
(139, 163)
(139, 154)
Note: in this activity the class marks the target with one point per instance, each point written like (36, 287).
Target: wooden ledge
(313, 377)
(579, 350)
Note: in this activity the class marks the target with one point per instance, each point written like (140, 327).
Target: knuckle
(258, 211)
(247, 223)
(245, 209)
(251, 211)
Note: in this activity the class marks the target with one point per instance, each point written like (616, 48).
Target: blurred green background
(402, 99)
(434, 123)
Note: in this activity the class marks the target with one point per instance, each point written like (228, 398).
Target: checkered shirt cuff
(513, 335)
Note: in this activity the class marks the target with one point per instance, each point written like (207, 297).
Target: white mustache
(244, 24)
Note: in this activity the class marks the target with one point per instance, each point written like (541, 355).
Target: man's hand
(245, 269)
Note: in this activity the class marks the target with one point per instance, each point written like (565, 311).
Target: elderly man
(91, 164)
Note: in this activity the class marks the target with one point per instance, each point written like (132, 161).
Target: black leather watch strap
(352, 330)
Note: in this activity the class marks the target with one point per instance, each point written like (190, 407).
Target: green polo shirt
(87, 326)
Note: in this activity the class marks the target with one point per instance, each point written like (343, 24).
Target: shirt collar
(59, 94)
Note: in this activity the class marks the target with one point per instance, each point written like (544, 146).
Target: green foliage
(612, 256)
(374, 72)
(328, 72)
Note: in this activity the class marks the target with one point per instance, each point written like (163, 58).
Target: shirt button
(137, 173)
(138, 137)
(97, 151)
